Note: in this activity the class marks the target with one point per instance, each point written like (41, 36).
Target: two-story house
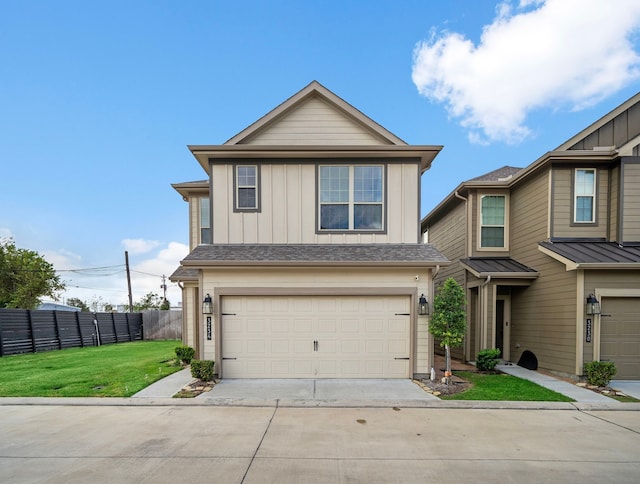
(535, 247)
(306, 257)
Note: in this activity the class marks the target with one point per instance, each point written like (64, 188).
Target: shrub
(599, 373)
(202, 369)
(185, 354)
(487, 359)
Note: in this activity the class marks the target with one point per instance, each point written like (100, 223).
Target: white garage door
(315, 337)
(620, 335)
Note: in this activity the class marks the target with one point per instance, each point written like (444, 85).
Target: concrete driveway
(63, 443)
(628, 387)
(302, 392)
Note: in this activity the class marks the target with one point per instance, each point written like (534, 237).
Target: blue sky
(98, 101)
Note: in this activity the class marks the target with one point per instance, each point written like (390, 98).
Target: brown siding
(631, 203)
(614, 194)
(616, 132)
(543, 314)
(562, 216)
(448, 236)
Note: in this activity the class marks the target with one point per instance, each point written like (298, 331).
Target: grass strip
(504, 387)
(115, 370)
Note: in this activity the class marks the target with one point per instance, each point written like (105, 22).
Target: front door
(503, 326)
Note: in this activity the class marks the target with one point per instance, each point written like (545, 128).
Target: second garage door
(315, 337)
(620, 335)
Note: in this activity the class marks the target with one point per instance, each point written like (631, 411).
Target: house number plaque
(209, 328)
(588, 335)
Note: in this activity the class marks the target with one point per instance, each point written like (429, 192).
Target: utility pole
(126, 260)
(164, 288)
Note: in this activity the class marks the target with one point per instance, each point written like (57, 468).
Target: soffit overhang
(205, 154)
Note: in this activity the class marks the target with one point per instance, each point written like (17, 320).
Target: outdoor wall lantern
(207, 305)
(593, 305)
(423, 306)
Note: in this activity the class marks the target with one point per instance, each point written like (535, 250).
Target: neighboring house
(531, 245)
(305, 238)
(54, 306)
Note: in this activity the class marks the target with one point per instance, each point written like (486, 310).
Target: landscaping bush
(185, 354)
(487, 359)
(202, 369)
(599, 373)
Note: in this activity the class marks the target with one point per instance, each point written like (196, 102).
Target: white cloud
(546, 54)
(139, 246)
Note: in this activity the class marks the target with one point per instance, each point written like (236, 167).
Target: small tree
(449, 320)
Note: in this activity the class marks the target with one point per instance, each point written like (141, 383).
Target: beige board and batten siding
(288, 209)
(631, 203)
(614, 207)
(562, 203)
(280, 281)
(314, 122)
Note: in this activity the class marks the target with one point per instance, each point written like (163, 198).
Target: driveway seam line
(253, 457)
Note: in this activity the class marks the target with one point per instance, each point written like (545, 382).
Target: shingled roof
(315, 254)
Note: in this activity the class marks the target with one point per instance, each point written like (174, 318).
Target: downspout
(468, 218)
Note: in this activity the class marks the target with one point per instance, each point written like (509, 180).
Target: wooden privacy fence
(162, 324)
(31, 331)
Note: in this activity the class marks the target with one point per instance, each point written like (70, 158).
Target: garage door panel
(620, 335)
(357, 337)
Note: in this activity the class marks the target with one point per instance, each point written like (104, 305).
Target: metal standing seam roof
(594, 254)
(314, 254)
(498, 267)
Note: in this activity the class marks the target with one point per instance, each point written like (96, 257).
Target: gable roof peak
(315, 90)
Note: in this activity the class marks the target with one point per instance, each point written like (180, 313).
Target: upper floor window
(584, 196)
(492, 221)
(246, 188)
(205, 221)
(351, 198)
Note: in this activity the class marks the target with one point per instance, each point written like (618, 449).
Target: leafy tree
(149, 301)
(166, 305)
(78, 303)
(25, 277)
(449, 320)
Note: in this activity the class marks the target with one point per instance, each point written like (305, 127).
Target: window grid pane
(584, 192)
(351, 197)
(492, 221)
(246, 187)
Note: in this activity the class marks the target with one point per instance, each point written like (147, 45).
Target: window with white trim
(351, 198)
(205, 221)
(246, 186)
(492, 221)
(584, 193)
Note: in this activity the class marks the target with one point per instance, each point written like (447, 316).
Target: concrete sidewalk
(168, 386)
(581, 395)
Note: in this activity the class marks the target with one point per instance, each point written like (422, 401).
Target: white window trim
(575, 196)
(479, 245)
(351, 203)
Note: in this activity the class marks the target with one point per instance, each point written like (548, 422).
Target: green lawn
(116, 370)
(504, 388)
